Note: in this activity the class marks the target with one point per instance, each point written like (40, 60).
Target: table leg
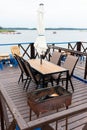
(43, 82)
(67, 77)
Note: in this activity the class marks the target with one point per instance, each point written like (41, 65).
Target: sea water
(51, 37)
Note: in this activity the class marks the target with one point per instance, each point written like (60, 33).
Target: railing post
(68, 45)
(85, 73)
(79, 46)
(53, 46)
(32, 51)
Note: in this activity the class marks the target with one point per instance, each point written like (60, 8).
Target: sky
(57, 13)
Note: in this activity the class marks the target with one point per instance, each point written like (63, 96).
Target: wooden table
(48, 68)
(4, 56)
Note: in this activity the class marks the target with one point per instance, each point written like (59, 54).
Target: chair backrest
(21, 64)
(30, 71)
(55, 57)
(70, 63)
(15, 50)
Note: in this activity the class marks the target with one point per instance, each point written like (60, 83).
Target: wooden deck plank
(9, 79)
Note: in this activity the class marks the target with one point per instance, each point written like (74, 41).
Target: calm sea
(51, 36)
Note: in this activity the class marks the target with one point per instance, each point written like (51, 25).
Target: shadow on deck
(9, 79)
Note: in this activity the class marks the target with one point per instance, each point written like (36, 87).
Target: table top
(4, 54)
(46, 67)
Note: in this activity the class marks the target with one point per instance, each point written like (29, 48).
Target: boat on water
(18, 32)
(54, 32)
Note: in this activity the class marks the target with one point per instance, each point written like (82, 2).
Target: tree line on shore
(33, 28)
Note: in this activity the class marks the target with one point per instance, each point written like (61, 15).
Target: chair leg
(25, 83)
(52, 83)
(20, 78)
(28, 84)
(58, 80)
(71, 84)
(51, 80)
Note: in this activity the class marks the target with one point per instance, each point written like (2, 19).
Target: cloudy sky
(58, 13)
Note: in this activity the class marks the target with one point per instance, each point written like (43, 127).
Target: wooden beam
(57, 116)
(14, 111)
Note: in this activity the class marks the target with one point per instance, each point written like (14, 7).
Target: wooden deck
(9, 79)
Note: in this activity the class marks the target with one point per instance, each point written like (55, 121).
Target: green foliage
(6, 30)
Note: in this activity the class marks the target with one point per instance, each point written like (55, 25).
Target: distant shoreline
(8, 31)
(11, 29)
(60, 28)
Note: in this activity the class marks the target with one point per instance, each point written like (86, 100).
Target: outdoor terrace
(9, 86)
(18, 110)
